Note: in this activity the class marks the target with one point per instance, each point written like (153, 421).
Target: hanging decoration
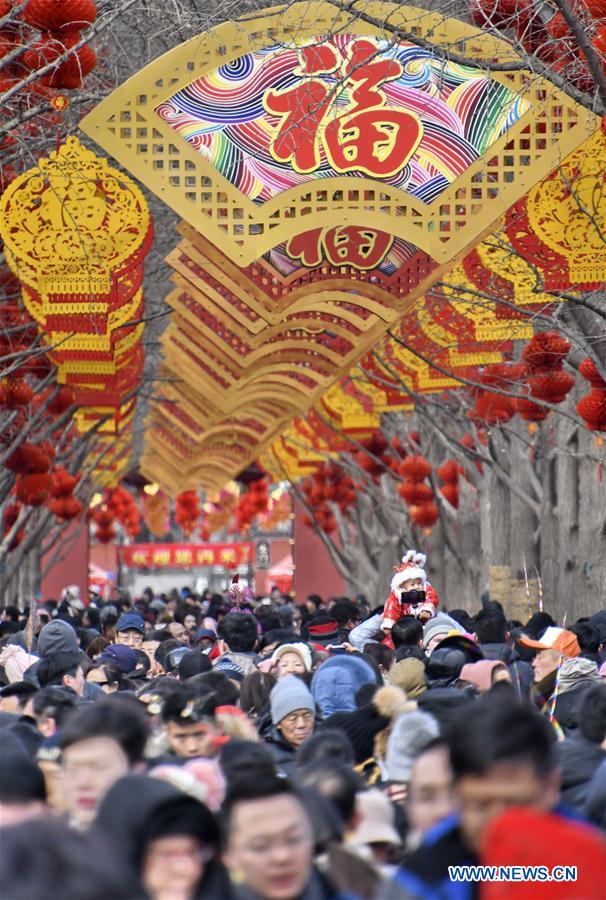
(187, 511)
(592, 407)
(76, 232)
(449, 474)
(274, 303)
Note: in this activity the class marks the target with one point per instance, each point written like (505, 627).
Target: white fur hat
(411, 568)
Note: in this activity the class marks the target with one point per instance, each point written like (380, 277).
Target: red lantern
(552, 386)
(415, 492)
(60, 15)
(104, 518)
(493, 408)
(34, 490)
(15, 393)
(65, 508)
(502, 375)
(449, 471)
(62, 401)
(450, 492)
(425, 515)
(69, 74)
(592, 408)
(28, 459)
(589, 371)
(105, 535)
(415, 467)
(63, 483)
(531, 412)
(546, 350)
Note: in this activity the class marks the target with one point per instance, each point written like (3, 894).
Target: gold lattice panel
(127, 124)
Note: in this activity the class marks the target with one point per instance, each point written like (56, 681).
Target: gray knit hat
(288, 695)
(410, 734)
(440, 625)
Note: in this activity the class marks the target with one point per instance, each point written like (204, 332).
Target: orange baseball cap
(565, 642)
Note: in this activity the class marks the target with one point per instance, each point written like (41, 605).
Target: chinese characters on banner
(184, 556)
(367, 137)
(343, 245)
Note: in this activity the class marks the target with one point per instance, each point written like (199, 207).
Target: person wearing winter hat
(293, 714)
(375, 832)
(55, 637)
(321, 630)
(119, 655)
(194, 662)
(561, 676)
(410, 734)
(485, 673)
(130, 629)
(409, 675)
(444, 667)
(291, 659)
(366, 724)
(336, 682)
(411, 594)
(437, 629)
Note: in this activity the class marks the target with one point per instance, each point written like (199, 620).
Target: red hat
(528, 837)
(411, 568)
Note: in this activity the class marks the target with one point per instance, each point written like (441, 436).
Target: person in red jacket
(411, 593)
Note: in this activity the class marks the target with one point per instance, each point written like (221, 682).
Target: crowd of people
(180, 747)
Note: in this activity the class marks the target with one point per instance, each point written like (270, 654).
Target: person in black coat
(580, 756)
(293, 720)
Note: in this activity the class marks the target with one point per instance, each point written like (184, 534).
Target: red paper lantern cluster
(187, 511)
(449, 474)
(550, 38)
(592, 407)
(253, 502)
(329, 485)
(64, 506)
(545, 378)
(374, 458)
(61, 23)
(104, 520)
(416, 493)
(124, 508)
(492, 408)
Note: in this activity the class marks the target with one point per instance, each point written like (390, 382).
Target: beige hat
(301, 649)
(377, 820)
(409, 675)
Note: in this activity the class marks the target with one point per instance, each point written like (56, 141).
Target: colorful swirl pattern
(462, 111)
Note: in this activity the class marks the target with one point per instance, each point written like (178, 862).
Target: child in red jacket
(411, 593)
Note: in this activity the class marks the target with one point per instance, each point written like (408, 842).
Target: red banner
(184, 556)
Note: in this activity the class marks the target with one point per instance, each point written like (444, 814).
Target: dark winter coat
(578, 759)
(283, 752)
(567, 704)
(595, 806)
(425, 874)
(318, 888)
